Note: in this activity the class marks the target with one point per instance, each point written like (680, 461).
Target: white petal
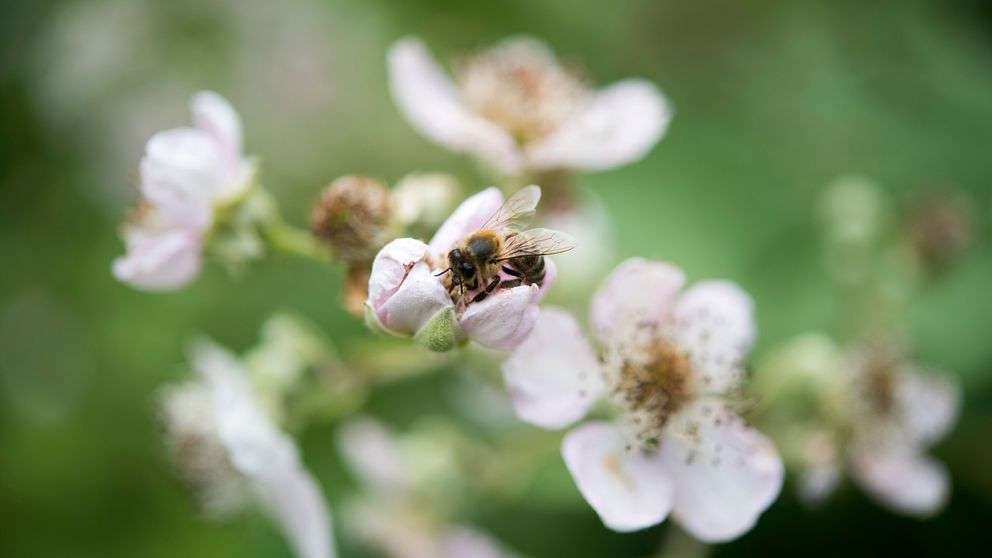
(373, 453)
(469, 542)
(181, 173)
(637, 291)
(292, 497)
(621, 125)
(159, 262)
(929, 403)
(725, 474)
(403, 291)
(266, 456)
(504, 320)
(908, 483)
(391, 266)
(629, 489)
(433, 105)
(715, 325)
(214, 115)
(470, 216)
(420, 297)
(554, 377)
(254, 443)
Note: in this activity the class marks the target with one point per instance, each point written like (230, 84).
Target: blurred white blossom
(881, 413)
(188, 175)
(514, 107)
(401, 516)
(230, 451)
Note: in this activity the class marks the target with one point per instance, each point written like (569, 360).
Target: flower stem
(679, 544)
(297, 242)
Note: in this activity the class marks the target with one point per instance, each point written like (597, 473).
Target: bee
(501, 254)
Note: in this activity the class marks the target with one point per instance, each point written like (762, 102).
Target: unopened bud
(441, 333)
(425, 199)
(353, 215)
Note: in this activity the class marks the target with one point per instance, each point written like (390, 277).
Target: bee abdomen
(530, 268)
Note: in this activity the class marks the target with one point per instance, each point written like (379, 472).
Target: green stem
(678, 544)
(297, 242)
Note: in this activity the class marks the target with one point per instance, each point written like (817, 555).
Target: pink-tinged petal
(432, 104)
(638, 291)
(420, 297)
(373, 453)
(469, 542)
(470, 216)
(629, 489)
(554, 377)
(391, 266)
(928, 403)
(159, 262)
(294, 500)
(504, 320)
(908, 483)
(725, 474)
(715, 325)
(215, 115)
(550, 275)
(621, 125)
(181, 173)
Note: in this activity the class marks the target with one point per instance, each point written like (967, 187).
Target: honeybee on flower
(481, 277)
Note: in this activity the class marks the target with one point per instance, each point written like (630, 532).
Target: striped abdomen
(529, 268)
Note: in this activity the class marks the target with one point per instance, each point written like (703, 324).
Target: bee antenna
(442, 273)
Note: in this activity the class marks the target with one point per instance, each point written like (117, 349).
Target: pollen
(520, 87)
(652, 388)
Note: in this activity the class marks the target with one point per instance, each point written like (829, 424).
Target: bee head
(460, 265)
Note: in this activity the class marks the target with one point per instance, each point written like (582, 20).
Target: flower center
(880, 388)
(652, 388)
(521, 88)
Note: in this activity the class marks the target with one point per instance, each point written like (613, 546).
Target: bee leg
(489, 288)
(511, 284)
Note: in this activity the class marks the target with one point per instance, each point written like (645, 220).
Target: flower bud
(941, 228)
(353, 215)
(425, 199)
(440, 333)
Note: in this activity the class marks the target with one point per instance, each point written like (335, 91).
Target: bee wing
(537, 242)
(517, 212)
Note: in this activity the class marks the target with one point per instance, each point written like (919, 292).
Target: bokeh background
(774, 100)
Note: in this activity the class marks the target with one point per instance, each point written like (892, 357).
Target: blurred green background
(774, 99)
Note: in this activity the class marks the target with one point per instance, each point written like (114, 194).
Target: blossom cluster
(657, 396)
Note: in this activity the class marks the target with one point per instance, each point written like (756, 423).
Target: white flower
(890, 411)
(671, 364)
(186, 174)
(401, 476)
(515, 108)
(408, 294)
(229, 449)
